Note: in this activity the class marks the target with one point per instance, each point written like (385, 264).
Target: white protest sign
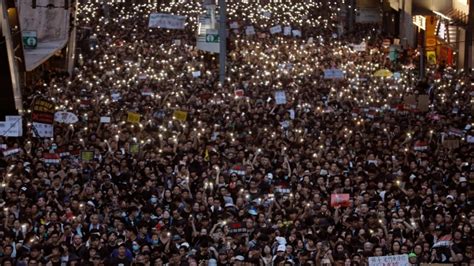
(234, 25)
(396, 260)
(280, 97)
(287, 31)
(196, 74)
(470, 139)
(249, 30)
(177, 42)
(275, 29)
(105, 119)
(310, 40)
(12, 126)
(65, 117)
(267, 14)
(362, 47)
(296, 33)
(43, 130)
(333, 73)
(116, 97)
(166, 21)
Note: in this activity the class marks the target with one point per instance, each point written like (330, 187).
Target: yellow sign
(180, 115)
(430, 33)
(133, 118)
(431, 55)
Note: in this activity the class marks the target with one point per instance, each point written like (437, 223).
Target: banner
(166, 21)
(333, 74)
(396, 260)
(340, 200)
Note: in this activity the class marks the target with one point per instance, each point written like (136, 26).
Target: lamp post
(222, 40)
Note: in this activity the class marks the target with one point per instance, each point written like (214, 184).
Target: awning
(39, 55)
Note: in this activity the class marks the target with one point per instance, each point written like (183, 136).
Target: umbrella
(383, 73)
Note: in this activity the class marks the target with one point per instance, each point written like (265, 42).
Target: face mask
(154, 200)
(136, 247)
(154, 241)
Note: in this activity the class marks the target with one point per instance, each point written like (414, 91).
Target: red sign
(340, 200)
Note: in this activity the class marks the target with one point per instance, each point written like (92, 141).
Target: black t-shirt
(120, 262)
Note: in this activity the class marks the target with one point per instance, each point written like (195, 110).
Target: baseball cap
(281, 248)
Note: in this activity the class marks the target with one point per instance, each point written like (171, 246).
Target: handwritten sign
(396, 260)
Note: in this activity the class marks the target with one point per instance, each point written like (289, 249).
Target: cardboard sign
(180, 115)
(340, 200)
(280, 97)
(395, 260)
(275, 29)
(133, 117)
(87, 156)
(424, 103)
(410, 101)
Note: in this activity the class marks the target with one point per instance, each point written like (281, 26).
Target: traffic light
(33, 4)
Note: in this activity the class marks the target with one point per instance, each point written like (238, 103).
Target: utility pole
(468, 55)
(422, 55)
(222, 40)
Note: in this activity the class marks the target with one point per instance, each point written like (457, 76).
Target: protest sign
(249, 30)
(340, 200)
(196, 74)
(166, 21)
(65, 117)
(12, 126)
(105, 119)
(287, 31)
(395, 260)
(87, 156)
(296, 33)
(237, 228)
(239, 93)
(280, 97)
(51, 158)
(42, 130)
(180, 115)
(234, 25)
(333, 73)
(275, 29)
(362, 47)
(133, 117)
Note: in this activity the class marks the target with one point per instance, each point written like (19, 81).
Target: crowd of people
(244, 173)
